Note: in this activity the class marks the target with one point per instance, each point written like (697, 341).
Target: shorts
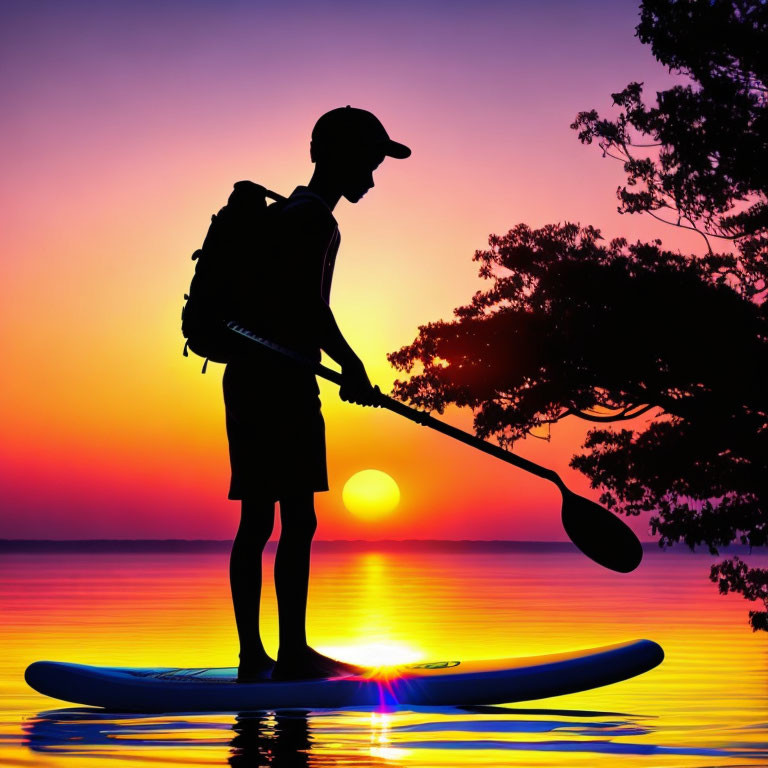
(275, 430)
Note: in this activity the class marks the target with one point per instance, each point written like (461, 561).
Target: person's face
(357, 174)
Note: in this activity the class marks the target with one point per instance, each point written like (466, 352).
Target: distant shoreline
(390, 545)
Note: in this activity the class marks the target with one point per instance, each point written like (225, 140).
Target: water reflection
(280, 739)
(364, 737)
(276, 739)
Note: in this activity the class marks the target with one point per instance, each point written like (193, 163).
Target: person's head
(348, 145)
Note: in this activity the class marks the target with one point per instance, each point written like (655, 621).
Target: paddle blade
(599, 534)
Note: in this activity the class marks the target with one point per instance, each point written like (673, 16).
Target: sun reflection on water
(381, 742)
(379, 656)
(372, 643)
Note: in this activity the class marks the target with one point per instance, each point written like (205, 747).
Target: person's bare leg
(256, 522)
(295, 659)
(298, 521)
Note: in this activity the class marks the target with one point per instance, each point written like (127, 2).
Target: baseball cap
(351, 127)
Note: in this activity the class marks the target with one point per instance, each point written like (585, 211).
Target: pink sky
(125, 126)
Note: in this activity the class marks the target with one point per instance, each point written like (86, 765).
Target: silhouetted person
(275, 427)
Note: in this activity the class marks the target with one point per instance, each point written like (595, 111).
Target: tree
(573, 326)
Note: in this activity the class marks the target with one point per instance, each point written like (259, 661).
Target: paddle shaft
(420, 417)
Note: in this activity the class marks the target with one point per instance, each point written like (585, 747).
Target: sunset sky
(125, 125)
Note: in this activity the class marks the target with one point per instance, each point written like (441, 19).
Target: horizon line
(214, 545)
(4, 540)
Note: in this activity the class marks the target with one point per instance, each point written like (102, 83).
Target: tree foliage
(698, 157)
(573, 326)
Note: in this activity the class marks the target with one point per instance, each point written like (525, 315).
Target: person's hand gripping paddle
(598, 533)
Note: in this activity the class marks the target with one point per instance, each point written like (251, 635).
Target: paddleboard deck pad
(439, 683)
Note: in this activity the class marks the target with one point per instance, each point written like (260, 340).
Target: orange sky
(125, 129)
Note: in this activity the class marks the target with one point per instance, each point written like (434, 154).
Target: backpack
(226, 280)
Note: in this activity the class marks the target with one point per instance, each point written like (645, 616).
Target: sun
(370, 494)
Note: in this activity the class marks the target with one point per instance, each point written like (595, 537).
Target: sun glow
(375, 655)
(371, 494)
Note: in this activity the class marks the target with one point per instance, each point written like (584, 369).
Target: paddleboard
(437, 683)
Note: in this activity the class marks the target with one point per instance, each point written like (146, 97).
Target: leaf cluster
(571, 325)
(698, 157)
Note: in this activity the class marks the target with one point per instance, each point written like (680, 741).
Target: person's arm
(356, 386)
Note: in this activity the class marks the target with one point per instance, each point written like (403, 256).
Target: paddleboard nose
(35, 673)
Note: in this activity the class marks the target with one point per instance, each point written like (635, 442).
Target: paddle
(598, 533)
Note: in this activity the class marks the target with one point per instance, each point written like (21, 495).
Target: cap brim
(393, 149)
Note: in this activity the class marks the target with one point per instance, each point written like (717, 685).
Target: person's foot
(307, 663)
(255, 669)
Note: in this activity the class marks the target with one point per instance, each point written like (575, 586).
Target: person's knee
(298, 518)
(300, 526)
(257, 520)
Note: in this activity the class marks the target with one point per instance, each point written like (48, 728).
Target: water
(706, 705)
